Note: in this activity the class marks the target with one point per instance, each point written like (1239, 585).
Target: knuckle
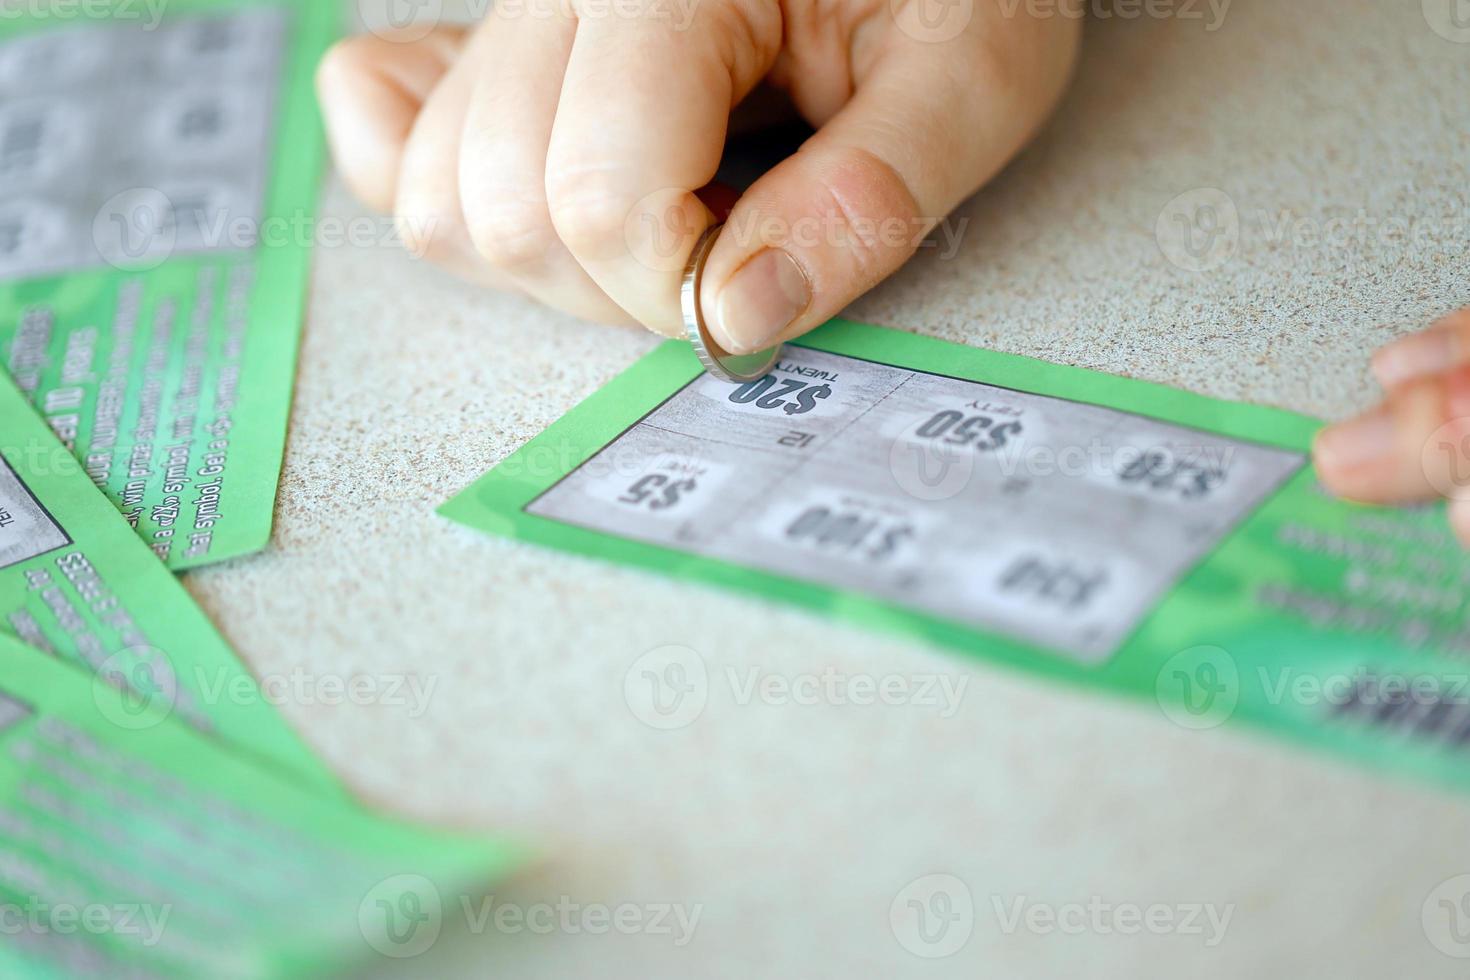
(875, 210)
(424, 226)
(511, 231)
(1432, 426)
(1422, 404)
(589, 214)
(748, 35)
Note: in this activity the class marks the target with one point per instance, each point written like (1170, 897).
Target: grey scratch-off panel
(1050, 521)
(123, 145)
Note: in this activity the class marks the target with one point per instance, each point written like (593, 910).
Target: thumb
(926, 126)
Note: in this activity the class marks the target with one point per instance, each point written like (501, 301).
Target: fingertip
(1459, 517)
(1415, 356)
(367, 117)
(1352, 457)
(346, 68)
(1330, 472)
(333, 66)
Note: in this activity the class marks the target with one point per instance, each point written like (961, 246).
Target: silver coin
(734, 368)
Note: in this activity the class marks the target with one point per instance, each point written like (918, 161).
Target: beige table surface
(794, 828)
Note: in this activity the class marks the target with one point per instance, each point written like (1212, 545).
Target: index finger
(639, 129)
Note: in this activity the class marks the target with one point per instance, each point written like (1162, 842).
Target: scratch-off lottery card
(1095, 529)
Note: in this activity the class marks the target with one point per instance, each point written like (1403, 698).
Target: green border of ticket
(1210, 629)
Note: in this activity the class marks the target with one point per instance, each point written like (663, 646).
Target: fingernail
(760, 301)
(1414, 356)
(1360, 441)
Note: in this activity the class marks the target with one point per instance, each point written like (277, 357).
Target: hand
(560, 146)
(1416, 445)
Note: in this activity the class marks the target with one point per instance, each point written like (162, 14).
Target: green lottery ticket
(76, 583)
(134, 846)
(1090, 528)
(158, 168)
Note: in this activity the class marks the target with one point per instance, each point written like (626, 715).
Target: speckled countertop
(795, 828)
